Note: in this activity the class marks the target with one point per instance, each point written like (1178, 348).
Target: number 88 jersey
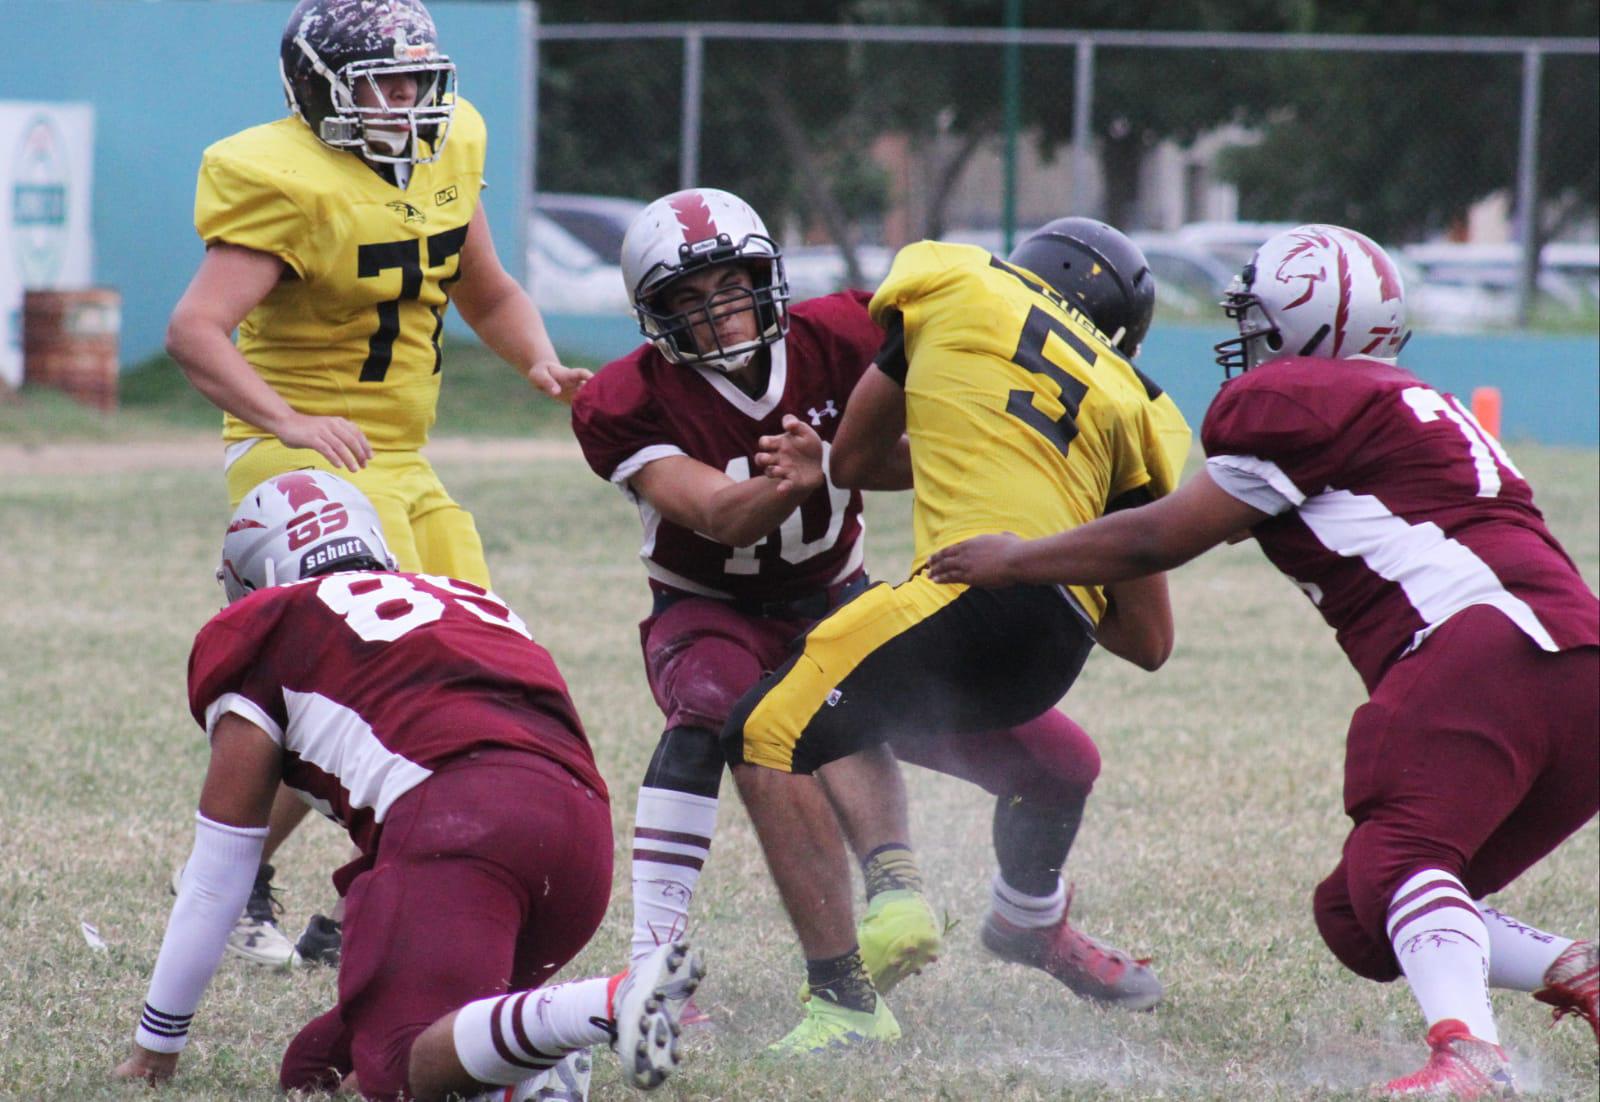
(355, 330)
(370, 680)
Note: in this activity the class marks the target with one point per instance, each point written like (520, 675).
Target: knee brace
(687, 759)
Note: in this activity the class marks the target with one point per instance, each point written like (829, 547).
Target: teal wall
(1549, 385)
(169, 77)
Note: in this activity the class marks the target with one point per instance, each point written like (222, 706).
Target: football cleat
(1460, 1067)
(1572, 984)
(568, 1081)
(321, 941)
(648, 1008)
(829, 1027)
(255, 936)
(1090, 968)
(899, 937)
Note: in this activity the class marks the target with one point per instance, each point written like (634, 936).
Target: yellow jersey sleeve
(357, 330)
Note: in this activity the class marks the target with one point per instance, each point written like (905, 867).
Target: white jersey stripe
(338, 741)
(1438, 575)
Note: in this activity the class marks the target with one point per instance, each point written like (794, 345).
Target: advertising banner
(46, 238)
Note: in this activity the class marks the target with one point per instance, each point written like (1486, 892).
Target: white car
(574, 250)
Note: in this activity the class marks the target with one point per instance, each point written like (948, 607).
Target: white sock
(1029, 912)
(1519, 955)
(1443, 947)
(671, 841)
(508, 1038)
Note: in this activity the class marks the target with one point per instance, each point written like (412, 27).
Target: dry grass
(1217, 812)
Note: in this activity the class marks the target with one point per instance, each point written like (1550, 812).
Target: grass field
(1217, 812)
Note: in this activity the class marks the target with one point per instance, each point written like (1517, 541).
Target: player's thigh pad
(1467, 741)
(446, 536)
(498, 866)
(911, 660)
(702, 655)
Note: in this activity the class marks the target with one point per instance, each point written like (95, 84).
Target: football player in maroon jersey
(739, 566)
(418, 713)
(1416, 537)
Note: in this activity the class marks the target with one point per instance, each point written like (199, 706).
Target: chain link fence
(852, 141)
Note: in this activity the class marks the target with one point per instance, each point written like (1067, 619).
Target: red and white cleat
(1091, 968)
(1572, 984)
(1460, 1067)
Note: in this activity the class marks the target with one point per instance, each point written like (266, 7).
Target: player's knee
(687, 759)
(706, 683)
(1346, 936)
(1060, 760)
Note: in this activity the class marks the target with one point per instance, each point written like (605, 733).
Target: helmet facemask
(1259, 339)
(372, 131)
(679, 334)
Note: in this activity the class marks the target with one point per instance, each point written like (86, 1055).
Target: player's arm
(870, 450)
(1124, 545)
(735, 513)
(505, 318)
(230, 829)
(230, 282)
(1137, 624)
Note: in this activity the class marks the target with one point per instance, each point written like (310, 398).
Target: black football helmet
(1096, 268)
(330, 47)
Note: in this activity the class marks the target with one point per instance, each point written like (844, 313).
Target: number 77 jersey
(354, 328)
(1392, 508)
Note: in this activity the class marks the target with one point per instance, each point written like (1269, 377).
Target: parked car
(575, 250)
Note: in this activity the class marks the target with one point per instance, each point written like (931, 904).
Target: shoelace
(263, 905)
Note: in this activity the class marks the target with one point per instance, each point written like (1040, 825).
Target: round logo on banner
(39, 204)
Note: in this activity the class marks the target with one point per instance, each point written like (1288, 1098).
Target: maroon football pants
(489, 876)
(1476, 755)
(701, 655)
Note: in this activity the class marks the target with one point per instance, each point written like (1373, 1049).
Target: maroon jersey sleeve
(1281, 415)
(223, 663)
(616, 420)
(843, 331)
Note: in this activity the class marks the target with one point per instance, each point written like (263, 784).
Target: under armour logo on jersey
(407, 211)
(818, 414)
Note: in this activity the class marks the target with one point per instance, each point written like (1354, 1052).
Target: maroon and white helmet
(300, 525)
(685, 232)
(1315, 290)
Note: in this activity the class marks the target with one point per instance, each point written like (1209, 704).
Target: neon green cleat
(899, 937)
(829, 1027)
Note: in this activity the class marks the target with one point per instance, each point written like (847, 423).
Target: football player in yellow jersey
(336, 238)
(1013, 381)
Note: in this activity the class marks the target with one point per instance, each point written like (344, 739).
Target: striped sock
(891, 867)
(507, 1038)
(671, 841)
(1442, 945)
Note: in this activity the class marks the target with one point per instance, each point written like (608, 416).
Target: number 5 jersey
(353, 329)
(371, 680)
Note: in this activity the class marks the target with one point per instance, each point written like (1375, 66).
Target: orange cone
(1486, 408)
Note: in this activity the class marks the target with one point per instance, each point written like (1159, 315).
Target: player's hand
(792, 458)
(337, 440)
(984, 561)
(557, 380)
(154, 1068)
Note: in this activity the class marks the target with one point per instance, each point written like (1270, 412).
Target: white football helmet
(300, 525)
(1315, 290)
(688, 231)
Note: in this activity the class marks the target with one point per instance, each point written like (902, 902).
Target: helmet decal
(694, 216)
(300, 488)
(1315, 290)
